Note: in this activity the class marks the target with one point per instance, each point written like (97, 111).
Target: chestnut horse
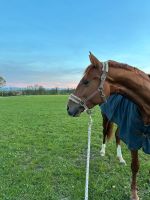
(100, 81)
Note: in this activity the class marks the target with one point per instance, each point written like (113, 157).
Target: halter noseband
(100, 89)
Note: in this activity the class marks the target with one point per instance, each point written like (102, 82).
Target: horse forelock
(88, 69)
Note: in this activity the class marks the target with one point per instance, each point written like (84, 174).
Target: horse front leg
(107, 132)
(134, 168)
(102, 151)
(119, 151)
(105, 124)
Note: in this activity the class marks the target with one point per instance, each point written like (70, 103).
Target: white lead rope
(88, 156)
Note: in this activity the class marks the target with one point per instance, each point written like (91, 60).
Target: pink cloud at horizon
(44, 84)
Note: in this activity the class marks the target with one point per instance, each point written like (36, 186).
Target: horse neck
(132, 83)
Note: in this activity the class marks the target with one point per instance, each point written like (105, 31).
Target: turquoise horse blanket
(126, 115)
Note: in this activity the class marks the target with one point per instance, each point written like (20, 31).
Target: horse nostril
(69, 112)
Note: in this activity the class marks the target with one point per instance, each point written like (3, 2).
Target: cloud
(48, 74)
(71, 84)
(58, 71)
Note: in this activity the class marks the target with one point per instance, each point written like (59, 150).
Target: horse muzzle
(74, 109)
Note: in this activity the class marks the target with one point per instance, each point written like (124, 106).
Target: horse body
(108, 126)
(97, 84)
(126, 115)
(133, 83)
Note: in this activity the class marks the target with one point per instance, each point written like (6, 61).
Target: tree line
(35, 90)
(31, 90)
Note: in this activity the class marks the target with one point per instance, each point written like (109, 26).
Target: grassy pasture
(43, 154)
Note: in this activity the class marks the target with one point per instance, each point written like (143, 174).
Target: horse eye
(85, 82)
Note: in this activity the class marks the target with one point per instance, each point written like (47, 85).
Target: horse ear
(94, 60)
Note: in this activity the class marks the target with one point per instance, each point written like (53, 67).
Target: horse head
(92, 89)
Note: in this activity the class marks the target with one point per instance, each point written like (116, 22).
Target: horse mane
(121, 66)
(129, 68)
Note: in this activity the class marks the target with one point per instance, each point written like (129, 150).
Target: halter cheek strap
(100, 89)
(103, 78)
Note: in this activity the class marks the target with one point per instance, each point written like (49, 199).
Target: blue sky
(46, 42)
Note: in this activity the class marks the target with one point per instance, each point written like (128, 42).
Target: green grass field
(43, 154)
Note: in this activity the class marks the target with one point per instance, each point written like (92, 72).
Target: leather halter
(100, 89)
